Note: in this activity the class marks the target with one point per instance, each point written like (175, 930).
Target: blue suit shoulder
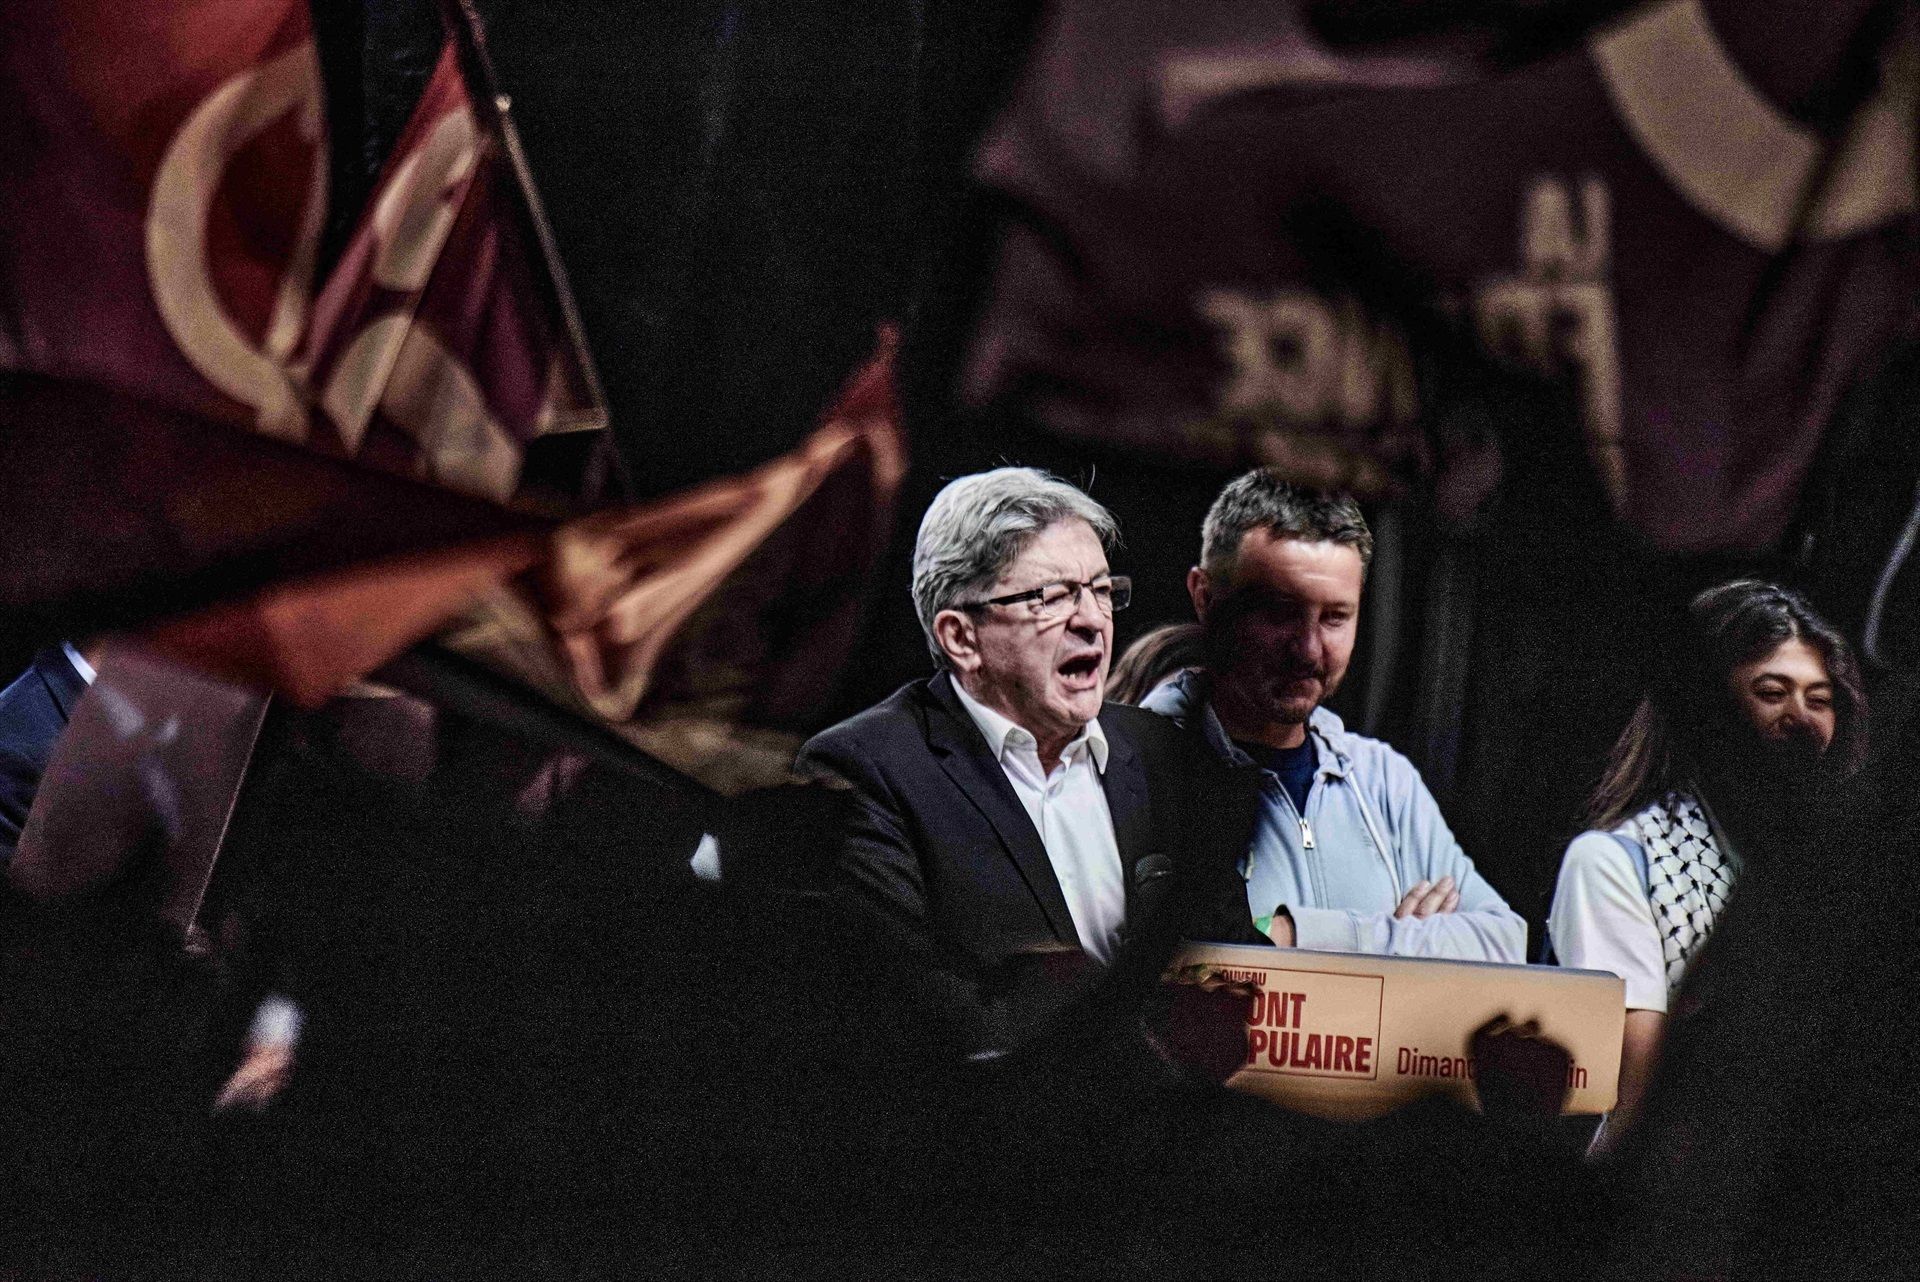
(34, 709)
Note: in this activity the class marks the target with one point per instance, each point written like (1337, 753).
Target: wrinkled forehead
(1064, 550)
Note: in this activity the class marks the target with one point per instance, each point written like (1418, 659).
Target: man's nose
(1087, 615)
(1304, 643)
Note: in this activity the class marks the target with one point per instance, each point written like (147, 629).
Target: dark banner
(1694, 228)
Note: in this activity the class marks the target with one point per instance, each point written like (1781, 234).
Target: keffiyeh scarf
(1689, 876)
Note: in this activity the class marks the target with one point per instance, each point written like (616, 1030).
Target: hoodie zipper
(1306, 835)
(1300, 815)
(1366, 817)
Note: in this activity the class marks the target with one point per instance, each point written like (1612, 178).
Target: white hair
(979, 524)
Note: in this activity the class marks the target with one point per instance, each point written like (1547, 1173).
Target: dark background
(528, 1066)
(742, 191)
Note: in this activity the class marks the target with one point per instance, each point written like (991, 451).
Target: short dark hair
(1263, 500)
(1685, 704)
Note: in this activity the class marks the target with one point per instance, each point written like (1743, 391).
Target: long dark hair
(1156, 656)
(1687, 706)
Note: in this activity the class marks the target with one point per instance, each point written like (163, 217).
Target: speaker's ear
(959, 639)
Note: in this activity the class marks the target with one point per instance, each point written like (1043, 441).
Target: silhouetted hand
(1519, 1072)
(1028, 990)
(1206, 1024)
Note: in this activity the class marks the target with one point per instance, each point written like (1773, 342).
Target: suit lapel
(1125, 783)
(963, 753)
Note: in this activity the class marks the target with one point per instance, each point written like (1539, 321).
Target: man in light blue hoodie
(1349, 851)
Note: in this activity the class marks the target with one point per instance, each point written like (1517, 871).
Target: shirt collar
(1002, 732)
(1191, 690)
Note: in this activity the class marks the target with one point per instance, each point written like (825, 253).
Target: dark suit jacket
(939, 845)
(33, 712)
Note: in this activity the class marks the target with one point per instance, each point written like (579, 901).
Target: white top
(1069, 811)
(1601, 920)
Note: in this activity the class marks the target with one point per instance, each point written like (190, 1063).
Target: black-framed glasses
(1057, 600)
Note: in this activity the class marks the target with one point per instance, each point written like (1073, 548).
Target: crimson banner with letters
(1697, 222)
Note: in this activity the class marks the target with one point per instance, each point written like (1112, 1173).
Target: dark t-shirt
(1294, 766)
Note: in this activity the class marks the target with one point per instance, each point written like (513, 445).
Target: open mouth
(1082, 670)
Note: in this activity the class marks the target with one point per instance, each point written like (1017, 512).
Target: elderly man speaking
(1002, 809)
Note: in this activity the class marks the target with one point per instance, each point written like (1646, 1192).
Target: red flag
(116, 511)
(182, 165)
(437, 346)
(707, 629)
(162, 177)
(162, 191)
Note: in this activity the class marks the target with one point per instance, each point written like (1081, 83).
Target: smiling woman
(1787, 696)
(1765, 703)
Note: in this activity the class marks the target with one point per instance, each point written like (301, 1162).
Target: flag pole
(493, 109)
(448, 680)
(430, 671)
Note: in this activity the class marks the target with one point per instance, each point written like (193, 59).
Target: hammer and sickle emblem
(259, 374)
(1738, 159)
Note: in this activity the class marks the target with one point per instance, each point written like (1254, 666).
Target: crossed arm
(1450, 911)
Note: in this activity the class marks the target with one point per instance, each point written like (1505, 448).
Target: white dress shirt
(1069, 811)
